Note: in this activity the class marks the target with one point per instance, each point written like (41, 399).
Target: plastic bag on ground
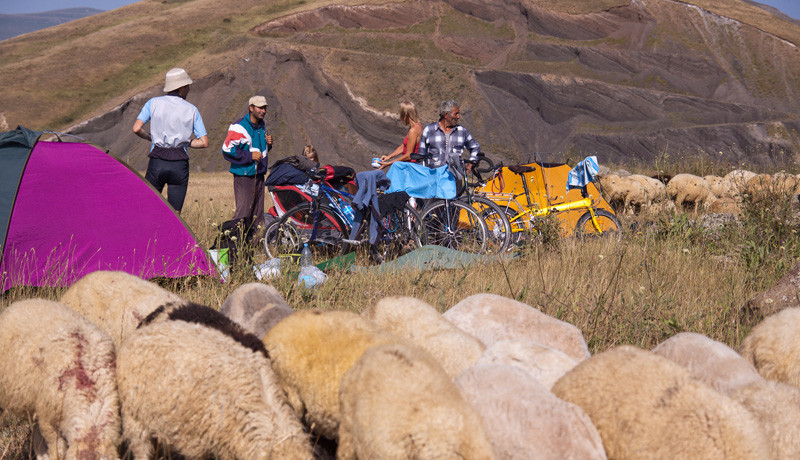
(269, 269)
(311, 276)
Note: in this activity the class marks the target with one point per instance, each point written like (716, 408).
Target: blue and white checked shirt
(438, 146)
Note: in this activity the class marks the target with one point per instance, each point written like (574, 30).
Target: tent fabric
(421, 181)
(78, 210)
(16, 147)
(547, 184)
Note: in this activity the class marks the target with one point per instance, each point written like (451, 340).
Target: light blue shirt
(172, 121)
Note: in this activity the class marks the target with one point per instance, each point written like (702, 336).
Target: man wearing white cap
(246, 146)
(173, 120)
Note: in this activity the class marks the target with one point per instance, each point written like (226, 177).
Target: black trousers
(173, 173)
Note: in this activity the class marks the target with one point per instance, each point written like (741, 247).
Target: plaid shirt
(435, 144)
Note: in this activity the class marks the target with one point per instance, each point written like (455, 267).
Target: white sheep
(59, 368)
(541, 362)
(526, 421)
(397, 402)
(420, 323)
(492, 318)
(116, 301)
(739, 178)
(773, 347)
(648, 407)
(776, 406)
(310, 351)
(623, 190)
(688, 188)
(199, 393)
(721, 187)
(785, 184)
(713, 363)
(256, 307)
(654, 189)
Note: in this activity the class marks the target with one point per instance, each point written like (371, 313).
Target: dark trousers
(248, 191)
(173, 173)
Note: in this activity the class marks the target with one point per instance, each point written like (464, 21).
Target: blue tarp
(422, 182)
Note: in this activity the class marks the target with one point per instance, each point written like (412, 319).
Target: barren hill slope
(621, 79)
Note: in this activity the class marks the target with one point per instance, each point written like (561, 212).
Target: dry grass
(640, 291)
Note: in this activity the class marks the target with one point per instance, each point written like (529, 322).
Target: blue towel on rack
(582, 173)
(421, 181)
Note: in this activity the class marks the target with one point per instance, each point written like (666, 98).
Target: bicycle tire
(286, 236)
(404, 233)
(497, 224)
(455, 225)
(519, 227)
(585, 227)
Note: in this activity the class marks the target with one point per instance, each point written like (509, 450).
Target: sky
(788, 7)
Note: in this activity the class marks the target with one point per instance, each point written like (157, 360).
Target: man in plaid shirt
(445, 138)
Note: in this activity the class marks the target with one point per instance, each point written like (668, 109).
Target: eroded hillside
(623, 80)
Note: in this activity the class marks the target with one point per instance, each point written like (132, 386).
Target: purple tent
(75, 209)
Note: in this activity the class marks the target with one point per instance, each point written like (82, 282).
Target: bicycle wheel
(519, 227)
(455, 225)
(324, 235)
(609, 225)
(497, 224)
(404, 232)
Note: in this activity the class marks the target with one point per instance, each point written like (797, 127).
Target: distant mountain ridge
(12, 25)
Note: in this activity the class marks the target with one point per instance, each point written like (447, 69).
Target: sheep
(200, 394)
(256, 307)
(648, 407)
(397, 402)
(524, 420)
(688, 188)
(208, 317)
(713, 363)
(785, 184)
(310, 351)
(785, 293)
(623, 191)
(773, 347)
(721, 187)
(758, 185)
(417, 321)
(60, 369)
(492, 318)
(739, 178)
(654, 189)
(723, 206)
(116, 301)
(541, 362)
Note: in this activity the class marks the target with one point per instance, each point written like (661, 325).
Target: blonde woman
(409, 117)
(311, 153)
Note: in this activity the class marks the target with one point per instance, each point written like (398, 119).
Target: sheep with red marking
(60, 369)
(420, 323)
(202, 393)
(116, 301)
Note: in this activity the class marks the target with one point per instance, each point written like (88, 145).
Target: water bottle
(305, 256)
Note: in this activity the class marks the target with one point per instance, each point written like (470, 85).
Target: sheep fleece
(59, 366)
(773, 346)
(398, 403)
(648, 407)
(310, 351)
(492, 318)
(201, 393)
(256, 307)
(420, 323)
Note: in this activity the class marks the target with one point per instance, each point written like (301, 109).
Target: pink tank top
(405, 142)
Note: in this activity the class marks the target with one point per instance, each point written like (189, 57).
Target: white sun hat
(176, 78)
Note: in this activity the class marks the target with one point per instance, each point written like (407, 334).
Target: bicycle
(526, 218)
(326, 228)
(467, 223)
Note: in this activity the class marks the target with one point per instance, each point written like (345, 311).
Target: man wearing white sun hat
(173, 120)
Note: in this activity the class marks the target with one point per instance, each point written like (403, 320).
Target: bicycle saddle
(521, 169)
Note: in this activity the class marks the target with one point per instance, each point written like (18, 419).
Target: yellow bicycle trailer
(547, 187)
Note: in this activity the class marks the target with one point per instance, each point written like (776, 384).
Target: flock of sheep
(122, 365)
(716, 194)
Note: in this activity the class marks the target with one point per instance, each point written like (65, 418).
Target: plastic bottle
(305, 256)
